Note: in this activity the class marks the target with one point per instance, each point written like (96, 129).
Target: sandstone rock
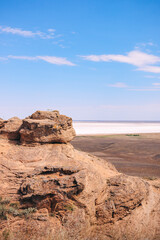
(2, 122)
(41, 215)
(77, 196)
(52, 115)
(10, 128)
(47, 127)
(85, 195)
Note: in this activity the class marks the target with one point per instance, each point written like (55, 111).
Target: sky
(89, 59)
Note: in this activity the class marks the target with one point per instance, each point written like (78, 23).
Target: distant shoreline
(107, 128)
(116, 121)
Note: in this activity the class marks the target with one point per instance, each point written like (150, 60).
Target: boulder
(47, 127)
(52, 115)
(10, 128)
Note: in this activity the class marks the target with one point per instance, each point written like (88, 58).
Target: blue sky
(92, 60)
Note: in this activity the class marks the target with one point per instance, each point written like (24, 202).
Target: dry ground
(132, 155)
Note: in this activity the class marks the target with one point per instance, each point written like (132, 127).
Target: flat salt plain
(106, 128)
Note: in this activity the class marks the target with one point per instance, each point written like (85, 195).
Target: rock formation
(62, 193)
(47, 127)
(10, 128)
(41, 126)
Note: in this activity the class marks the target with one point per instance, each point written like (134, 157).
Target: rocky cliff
(50, 191)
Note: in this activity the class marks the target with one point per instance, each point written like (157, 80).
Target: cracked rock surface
(77, 195)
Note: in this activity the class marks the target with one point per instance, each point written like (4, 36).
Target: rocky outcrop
(1, 123)
(10, 128)
(76, 195)
(50, 187)
(40, 127)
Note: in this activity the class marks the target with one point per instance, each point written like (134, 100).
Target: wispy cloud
(139, 45)
(50, 34)
(118, 85)
(151, 76)
(3, 58)
(152, 69)
(49, 59)
(142, 60)
(144, 89)
(154, 87)
(156, 84)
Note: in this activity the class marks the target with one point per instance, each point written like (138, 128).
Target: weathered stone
(47, 127)
(75, 193)
(10, 128)
(41, 215)
(52, 115)
(2, 122)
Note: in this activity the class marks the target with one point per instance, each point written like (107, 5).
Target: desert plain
(132, 154)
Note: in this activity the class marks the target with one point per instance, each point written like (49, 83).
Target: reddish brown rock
(47, 127)
(10, 128)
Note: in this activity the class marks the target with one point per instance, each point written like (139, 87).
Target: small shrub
(14, 205)
(3, 212)
(52, 215)
(69, 207)
(6, 234)
(13, 209)
(5, 202)
(26, 212)
(132, 135)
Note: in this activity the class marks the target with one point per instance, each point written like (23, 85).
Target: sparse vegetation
(132, 135)
(6, 234)
(150, 178)
(69, 207)
(13, 209)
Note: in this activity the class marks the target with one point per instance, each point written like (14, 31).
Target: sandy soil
(132, 155)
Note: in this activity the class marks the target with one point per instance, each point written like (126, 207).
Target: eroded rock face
(10, 128)
(47, 127)
(50, 187)
(77, 196)
(119, 198)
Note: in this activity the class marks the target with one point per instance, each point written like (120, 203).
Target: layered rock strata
(41, 126)
(76, 195)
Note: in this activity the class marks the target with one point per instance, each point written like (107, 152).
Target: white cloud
(154, 87)
(17, 31)
(151, 76)
(51, 30)
(3, 58)
(118, 85)
(56, 60)
(22, 57)
(26, 33)
(144, 89)
(49, 59)
(152, 69)
(145, 44)
(156, 84)
(137, 58)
